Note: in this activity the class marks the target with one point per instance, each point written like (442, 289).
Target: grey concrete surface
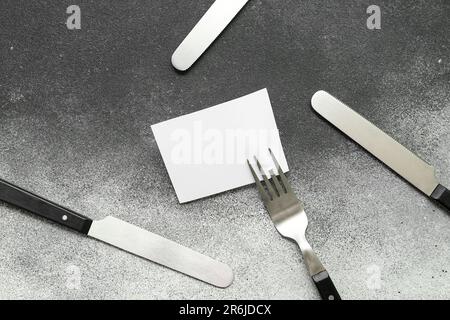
(75, 115)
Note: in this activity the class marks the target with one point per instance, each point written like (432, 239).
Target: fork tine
(260, 187)
(276, 182)
(268, 184)
(284, 180)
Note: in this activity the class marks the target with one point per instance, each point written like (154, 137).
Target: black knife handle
(325, 286)
(42, 207)
(442, 195)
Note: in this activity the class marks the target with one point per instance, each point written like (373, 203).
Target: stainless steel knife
(213, 22)
(393, 154)
(124, 236)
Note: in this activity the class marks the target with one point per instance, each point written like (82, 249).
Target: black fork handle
(42, 207)
(325, 286)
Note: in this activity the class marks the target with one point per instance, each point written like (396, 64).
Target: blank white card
(206, 152)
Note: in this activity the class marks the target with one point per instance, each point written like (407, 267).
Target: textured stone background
(76, 109)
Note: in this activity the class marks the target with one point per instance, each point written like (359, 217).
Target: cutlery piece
(393, 154)
(213, 22)
(289, 217)
(124, 236)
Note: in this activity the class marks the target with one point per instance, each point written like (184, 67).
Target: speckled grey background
(76, 109)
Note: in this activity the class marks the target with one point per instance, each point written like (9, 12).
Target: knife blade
(213, 22)
(382, 146)
(125, 236)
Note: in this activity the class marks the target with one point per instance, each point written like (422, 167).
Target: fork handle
(325, 286)
(317, 271)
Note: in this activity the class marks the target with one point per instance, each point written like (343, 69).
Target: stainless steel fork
(289, 217)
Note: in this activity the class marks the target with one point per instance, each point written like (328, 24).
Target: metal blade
(161, 250)
(213, 22)
(397, 157)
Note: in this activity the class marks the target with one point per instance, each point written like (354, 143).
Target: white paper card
(206, 152)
